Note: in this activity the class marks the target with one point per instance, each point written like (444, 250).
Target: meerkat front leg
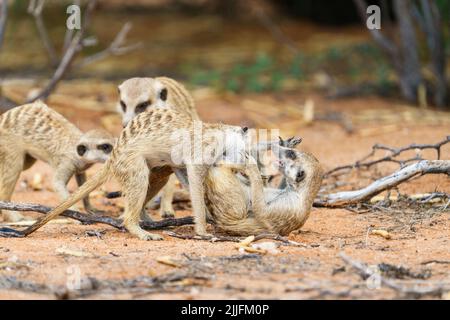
(166, 209)
(81, 179)
(11, 165)
(135, 185)
(196, 176)
(60, 180)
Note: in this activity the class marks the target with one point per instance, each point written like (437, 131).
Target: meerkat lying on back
(35, 132)
(138, 95)
(242, 210)
(150, 147)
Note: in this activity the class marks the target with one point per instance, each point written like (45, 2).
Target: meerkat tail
(90, 185)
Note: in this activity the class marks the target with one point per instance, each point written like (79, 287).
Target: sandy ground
(218, 270)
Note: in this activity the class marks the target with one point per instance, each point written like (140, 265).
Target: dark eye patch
(141, 107)
(163, 94)
(81, 150)
(106, 147)
(123, 105)
(290, 154)
(300, 175)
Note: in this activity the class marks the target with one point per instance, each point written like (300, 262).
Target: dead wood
(392, 156)
(419, 289)
(345, 198)
(75, 46)
(85, 218)
(275, 237)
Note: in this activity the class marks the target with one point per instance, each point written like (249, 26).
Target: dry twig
(420, 289)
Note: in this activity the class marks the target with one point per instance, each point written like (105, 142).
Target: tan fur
(238, 209)
(35, 132)
(140, 160)
(136, 91)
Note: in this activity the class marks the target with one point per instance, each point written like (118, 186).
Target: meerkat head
(137, 95)
(299, 168)
(95, 146)
(235, 143)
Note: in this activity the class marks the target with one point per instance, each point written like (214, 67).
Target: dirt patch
(115, 263)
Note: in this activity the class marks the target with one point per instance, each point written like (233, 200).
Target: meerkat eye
(106, 147)
(163, 94)
(123, 105)
(290, 154)
(300, 175)
(81, 150)
(244, 129)
(141, 107)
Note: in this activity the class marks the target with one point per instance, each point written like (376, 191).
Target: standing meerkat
(35, 132)
(138, 95)
(238, 209)
(147, 152)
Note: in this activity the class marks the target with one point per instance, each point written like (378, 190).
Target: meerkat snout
(138, 95)
(95, 146)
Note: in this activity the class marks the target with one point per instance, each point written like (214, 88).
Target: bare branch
(3, 19)
(85, 218)
(340, 199)
(420, 288)
(275, 30)
(394, 152)
(385, 43)
(35, 8)
(116, 47)
(74, 47)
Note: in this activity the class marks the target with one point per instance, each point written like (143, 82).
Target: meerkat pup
(151, 146)
(138, 95)
(35, 132)
(242, 210)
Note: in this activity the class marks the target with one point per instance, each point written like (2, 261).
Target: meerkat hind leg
(135, 183)
(166, 208)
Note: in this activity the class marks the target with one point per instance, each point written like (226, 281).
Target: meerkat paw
(203, 233)
(147, 236)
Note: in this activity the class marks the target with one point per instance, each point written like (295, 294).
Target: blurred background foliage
(221, 44)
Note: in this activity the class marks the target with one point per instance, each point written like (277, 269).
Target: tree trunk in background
(435, 40)
(3, 17)
(410, 75)
(404, 53)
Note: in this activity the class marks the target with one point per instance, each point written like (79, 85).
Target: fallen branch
(391, 157)
(85, 218)
(275, 237)
(344, 198)
(420, 289)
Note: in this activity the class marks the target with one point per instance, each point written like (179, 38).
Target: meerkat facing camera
(36, 132)
(138, 95)
(143, 159)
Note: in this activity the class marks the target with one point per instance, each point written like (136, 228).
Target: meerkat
(36, 132)
(138, 95)
(146, 153)
(238, 209)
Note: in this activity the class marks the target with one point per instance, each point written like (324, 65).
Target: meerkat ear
(244, 129)
(281, 141)
(163, 94)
